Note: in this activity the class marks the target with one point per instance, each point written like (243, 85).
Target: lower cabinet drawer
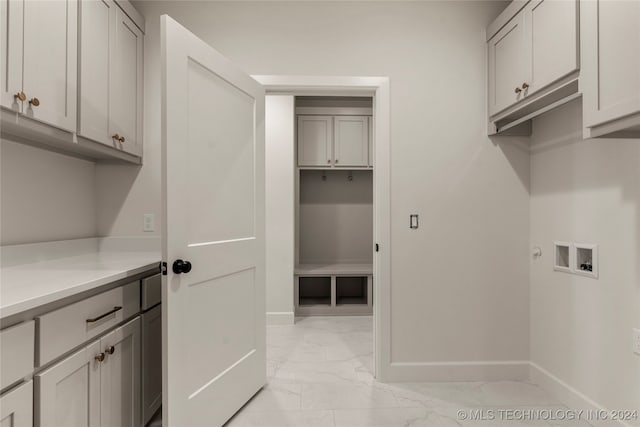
(16, 353)
(16, 406)
(65, 328)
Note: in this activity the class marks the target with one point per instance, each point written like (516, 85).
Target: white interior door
(213, 188)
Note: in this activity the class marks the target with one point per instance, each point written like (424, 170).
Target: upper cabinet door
(553, 28)
(126, 85)
(611, 64)
(120, 377)
(351, 141)
(507, 65)
(314, 140)
(11, 20)
(50, 62)
(97, 35)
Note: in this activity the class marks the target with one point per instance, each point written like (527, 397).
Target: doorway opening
(339, 131)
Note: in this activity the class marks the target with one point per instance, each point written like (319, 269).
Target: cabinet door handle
(20, 95)
(34, 101)
(99, 357)
(525, 86)
(110, 350)
(116, 137)
(121, 139)
(336, 160)
(518, 90)
(102, 316)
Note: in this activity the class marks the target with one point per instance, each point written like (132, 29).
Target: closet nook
(334, 206)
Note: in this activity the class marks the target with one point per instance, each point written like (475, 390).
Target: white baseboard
(280, 318)
(499, 370)
(566, 394)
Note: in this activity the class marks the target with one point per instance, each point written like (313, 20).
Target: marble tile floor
(319, 374)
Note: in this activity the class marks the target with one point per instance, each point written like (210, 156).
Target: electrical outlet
(149, 222)
(636, 341)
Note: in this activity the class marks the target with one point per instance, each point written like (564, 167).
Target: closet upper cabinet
(611, 68)
(315, 140)
(351, 141)
(111, 77)
(532, 46)
(39, 56)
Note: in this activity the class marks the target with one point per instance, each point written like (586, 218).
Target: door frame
(378, 88)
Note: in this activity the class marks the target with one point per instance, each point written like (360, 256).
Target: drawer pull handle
(102, 316)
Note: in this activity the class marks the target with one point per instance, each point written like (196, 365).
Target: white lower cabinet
(97, 386)
(16, 407)
(151, 362)
(68, 393)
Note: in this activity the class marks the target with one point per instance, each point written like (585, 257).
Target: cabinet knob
(100, 357)
(525, 86)
(328, 160)
(518, 90)
(20, 95)
(121, 139)
(336, 160)
(116, 137)
(110, 350)
(34, 101)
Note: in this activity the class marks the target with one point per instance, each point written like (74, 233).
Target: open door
(213, 232)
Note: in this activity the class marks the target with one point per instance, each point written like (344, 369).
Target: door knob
(110, 350)
(100, 357)
(518, 90)
(20, 95)
(180, 266)
(34, 101)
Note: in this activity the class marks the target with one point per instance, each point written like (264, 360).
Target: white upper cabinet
(111, 77)
(507, 65)
(533, 57)
(11, 17)
(314, 140)
(50, 62)
(126, 84)
(351, 141)
(97, 33)
(611, 67)
(553, 25)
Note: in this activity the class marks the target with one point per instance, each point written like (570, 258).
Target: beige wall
(586, 192)
(45, 196)
(467, 265)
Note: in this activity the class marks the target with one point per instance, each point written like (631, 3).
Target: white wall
(461, 280)
(336, 217)
(588, 192)
(45, 196)
(279, 186)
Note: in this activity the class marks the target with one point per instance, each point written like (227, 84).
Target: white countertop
(31, 285)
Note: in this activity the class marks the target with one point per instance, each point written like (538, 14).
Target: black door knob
(180, 266)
